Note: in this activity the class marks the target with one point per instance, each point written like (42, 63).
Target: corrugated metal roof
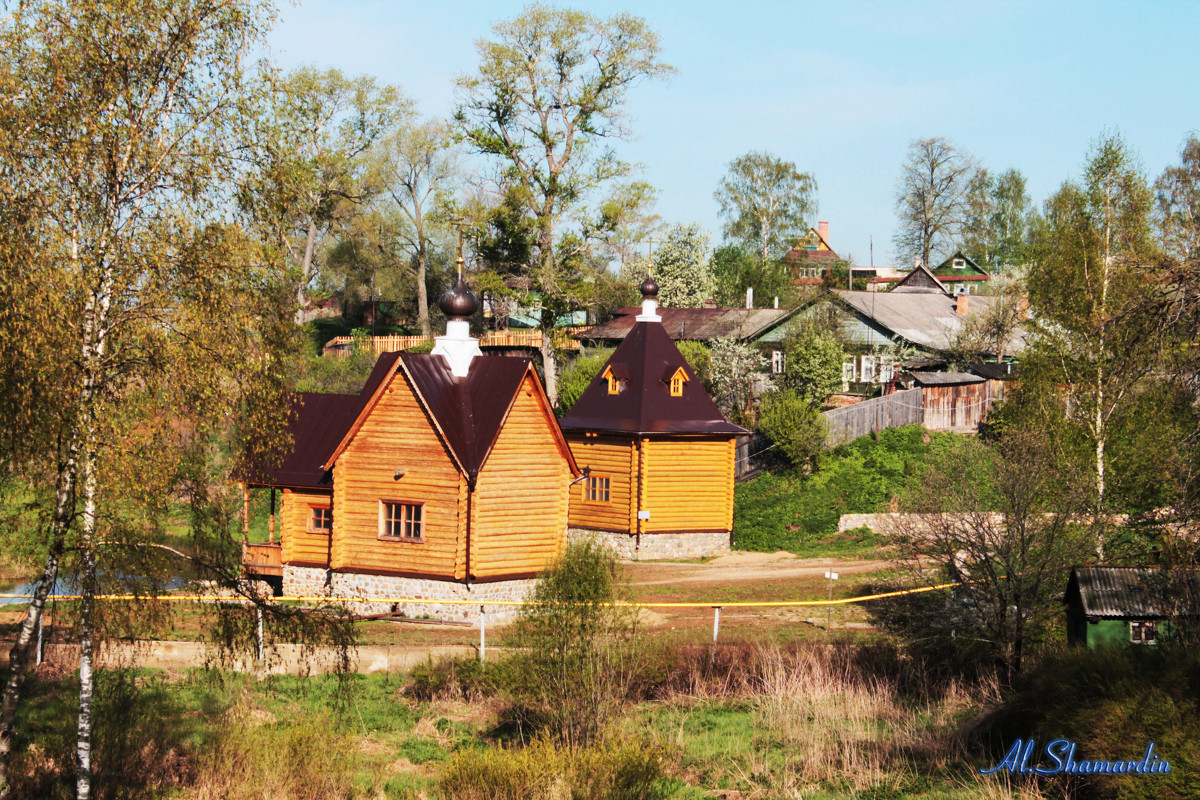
(645, 405)
(928, 320)
(945, 378)
(1118, 592)
(696, 324)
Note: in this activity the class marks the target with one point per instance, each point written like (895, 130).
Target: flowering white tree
(681, 267)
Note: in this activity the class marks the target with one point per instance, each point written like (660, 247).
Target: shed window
(320, 519)
(597, 489)
(1143, 632)
(403, 521)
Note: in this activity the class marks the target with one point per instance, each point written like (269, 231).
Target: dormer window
(678, 379)
(614, 383)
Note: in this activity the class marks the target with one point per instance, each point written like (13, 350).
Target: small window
(868, 369)
(615, 384)
(848, 372)
(404, 521)
(320, 519)
(1143, 632)
(678, 379)
(887, 371)
(960, 263)
(597, 489)
(776, 362)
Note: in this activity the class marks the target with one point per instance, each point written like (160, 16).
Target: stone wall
(656, 546)
(310, 582)
(305, 581)
(429, 592)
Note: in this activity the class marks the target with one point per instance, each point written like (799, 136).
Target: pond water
(68, 585)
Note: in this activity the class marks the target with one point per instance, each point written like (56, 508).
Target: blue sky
(840, 88)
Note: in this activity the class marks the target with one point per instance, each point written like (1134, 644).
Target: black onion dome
(649, 287)
(459, 302)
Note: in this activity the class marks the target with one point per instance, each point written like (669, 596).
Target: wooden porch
(262, 560)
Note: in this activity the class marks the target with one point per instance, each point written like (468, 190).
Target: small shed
(956, 401)
(1115, 605)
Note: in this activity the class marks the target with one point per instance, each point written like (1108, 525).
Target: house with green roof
(960, 274)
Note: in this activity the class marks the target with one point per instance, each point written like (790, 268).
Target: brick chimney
(963, 302)
(823, 229)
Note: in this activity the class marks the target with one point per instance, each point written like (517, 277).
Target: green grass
(799, 513)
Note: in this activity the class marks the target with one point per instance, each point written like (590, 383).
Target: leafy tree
(997, 219)
(1090, 273)
(766, 202)
(735, 270)
(699, 358)
(736, 371)
(550, 90)
(578, 375)
(794, 425)
(1177, 192)
(681, 268)
(118, 139)
(416, 169)
(581, 656)
(812, 365)
(930, 198)
(999, 519)
(625, 221)
(312, 143)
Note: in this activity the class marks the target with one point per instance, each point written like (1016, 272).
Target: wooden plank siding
(520, 503)
(300, 546)
(688, 484)
(397, 435)
(960, 409)
(890, 411)
(616, 458)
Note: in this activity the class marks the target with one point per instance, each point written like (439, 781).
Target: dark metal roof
(1118, 592)
(928, 320)
(945, 378)
(995, 372)
(644, 404)
(471, 409)
(697, 324)
(469, 412)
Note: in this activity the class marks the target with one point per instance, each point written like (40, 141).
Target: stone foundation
(314, 582)
(305, 581)
(656, 546)
(429, 592)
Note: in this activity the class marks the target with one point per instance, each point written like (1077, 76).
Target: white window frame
(776, 362)
(867, 370)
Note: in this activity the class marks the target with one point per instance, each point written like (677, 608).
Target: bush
(628, 770)
(812, 365)
(581, 657)
(578, 375)
(795, 425)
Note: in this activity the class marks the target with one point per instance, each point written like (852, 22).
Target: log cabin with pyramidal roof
(656, 452)
(445, 478)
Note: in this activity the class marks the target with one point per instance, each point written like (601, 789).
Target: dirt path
(740, 567)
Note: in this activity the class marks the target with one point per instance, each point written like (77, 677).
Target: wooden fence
(960, 409)
(339, 346)
(890, 411)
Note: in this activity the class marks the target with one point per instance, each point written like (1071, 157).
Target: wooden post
(245, 514)
(716, 622)
(482, 635)
(271, 522)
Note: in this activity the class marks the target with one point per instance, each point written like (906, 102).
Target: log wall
(299, 545)
(613, 457)
(519, 509)
(688, 484)
(397, 435)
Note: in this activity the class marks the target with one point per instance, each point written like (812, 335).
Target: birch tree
(116, 130)
(765, 202)
(1093, 267)
(548, 97)
(1177, 195)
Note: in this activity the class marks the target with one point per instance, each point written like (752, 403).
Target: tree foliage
(736, 370)
(930, 198)
(550, 90)
(996, 222)
(812, 365)
(1177, 195)
(794, 424)
(766, 202)
(681, 267)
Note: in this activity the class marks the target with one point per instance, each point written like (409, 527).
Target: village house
(445, 478)
(657, 454)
